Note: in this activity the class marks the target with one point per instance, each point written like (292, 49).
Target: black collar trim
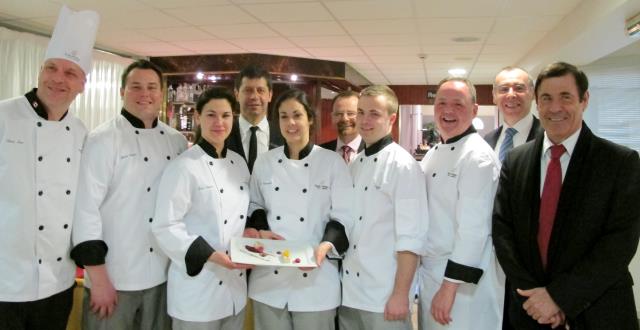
(303, 153)
(211, 150)
(135, 121)
(454, 139)
(374, 148)
(38, 106)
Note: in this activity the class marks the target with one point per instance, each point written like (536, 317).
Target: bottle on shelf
(182, 118)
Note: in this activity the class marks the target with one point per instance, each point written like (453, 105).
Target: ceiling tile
(167, 4)
(148, 19)
(177, 34)
(211, 15)
(341, 51)
(435, 38)
(323, 41)
(393, 50)
(387, 40)
(354, 10)
(299, 29)
(117, 36)
(30, 8)
(233, 31)
(523, 24)
(294, 52)
(455, 25)
(211, 46)
(289, 12)
(381, 27)
(538, 7)
(153, 48)
(458, 8)
(262, 43)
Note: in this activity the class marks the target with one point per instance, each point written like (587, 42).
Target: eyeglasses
(341, 114)
(517, 88)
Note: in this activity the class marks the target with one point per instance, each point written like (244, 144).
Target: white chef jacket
(39, 162)
(391, 216)
(207, 197)
(300, 197)
(462, 178)
(119, 173)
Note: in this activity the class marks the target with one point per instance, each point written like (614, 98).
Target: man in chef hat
(39, 158)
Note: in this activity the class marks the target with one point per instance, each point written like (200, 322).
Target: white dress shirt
(569, 144)
(354, 144)
(262, 135)
(523, 126)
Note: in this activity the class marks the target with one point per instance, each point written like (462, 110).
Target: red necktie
(549, 201)
(346, 153)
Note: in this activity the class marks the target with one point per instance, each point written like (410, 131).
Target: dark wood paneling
(418, 94)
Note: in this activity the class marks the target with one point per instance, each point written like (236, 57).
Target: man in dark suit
(252, 134)
(343, 115)
(513, 95)
(565, 221)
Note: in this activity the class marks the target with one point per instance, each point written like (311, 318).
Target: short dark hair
(560, 69)
(144, 65)
(253, 72)
(301, 98)
(216, 93)
(343, 95)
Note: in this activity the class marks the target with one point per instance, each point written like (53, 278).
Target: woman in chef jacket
(300, 192)
(202, 203)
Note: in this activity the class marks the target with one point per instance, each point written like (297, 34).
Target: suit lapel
(535, 129)
(234, 141)
(492, 137)
(533, 188)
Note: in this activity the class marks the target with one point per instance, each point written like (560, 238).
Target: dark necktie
(507, 144)
(346, 153)
(253, 148)
(549, 201)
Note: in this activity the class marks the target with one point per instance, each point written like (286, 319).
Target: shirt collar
(303, 153)
(135, 121)
(568, 143)
(354, 144)
(454, 139)
(379, 145)
(245, 125)
(523, 125)
(211, 150)
(38, 106)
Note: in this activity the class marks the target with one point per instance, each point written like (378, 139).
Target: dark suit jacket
(595, 233)
(492, 137)
(234, 141)
(331, 145)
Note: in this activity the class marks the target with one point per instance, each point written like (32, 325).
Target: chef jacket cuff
(197, 255)
(335, 234)
(258, 220)
(89, 253)
(412, 245)
(467, 274)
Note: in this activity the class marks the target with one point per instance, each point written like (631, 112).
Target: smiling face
(253, 96)
(142, 94)
(59, 82)
(215, 122)
(454, 110)
(343, 116)
(513, 94)
(373, 120)
(294, 123)
(560, 107)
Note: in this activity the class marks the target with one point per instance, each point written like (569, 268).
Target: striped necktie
(507, 144)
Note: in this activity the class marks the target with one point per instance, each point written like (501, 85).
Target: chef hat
(73, 37)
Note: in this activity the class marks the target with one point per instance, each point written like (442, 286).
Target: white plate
(272, 255)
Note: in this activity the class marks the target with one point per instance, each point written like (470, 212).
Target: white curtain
(410, 127)
(21, 56)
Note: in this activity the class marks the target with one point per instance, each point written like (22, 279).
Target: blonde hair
(388, 93)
